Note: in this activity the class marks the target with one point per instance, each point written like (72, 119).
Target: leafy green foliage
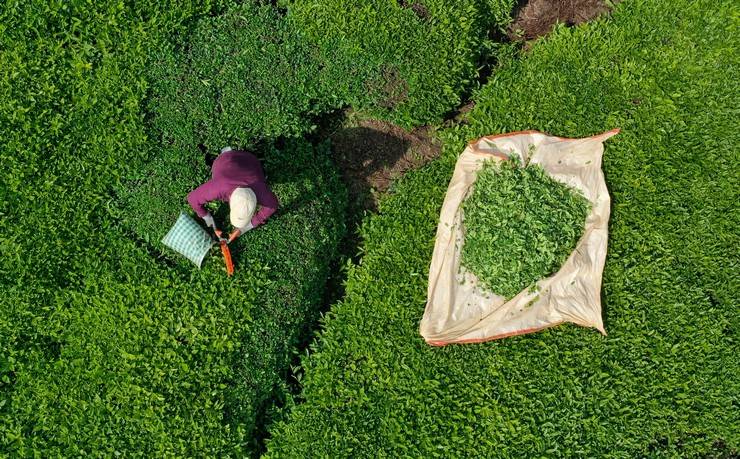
(241, 76)
(149, 200)
(404, 61)
(664, 382)
(251, 73)
(187, 360)
(106, 348)
(520, 226)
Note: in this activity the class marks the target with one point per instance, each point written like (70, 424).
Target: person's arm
(268, 204)
(200, 196)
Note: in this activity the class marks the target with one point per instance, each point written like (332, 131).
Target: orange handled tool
(227, 258)
(226, 252)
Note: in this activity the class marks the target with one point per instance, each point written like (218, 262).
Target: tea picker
(237, 178)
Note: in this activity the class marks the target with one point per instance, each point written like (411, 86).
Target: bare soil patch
(421, 11)
(372, 154)
(391, 89)
(538, 17)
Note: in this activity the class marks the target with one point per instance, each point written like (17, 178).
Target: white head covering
(242, 204)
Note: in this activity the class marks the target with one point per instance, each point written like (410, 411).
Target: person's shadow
(367, 158)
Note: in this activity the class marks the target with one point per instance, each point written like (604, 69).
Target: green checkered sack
(189, 239)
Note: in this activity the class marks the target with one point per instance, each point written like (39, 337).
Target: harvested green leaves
(520, 226)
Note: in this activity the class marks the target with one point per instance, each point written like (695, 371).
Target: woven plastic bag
(189, 239)
(458, 310)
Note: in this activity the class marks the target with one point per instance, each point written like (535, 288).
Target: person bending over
(237, 178)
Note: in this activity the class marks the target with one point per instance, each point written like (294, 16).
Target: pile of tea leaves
(520, 226)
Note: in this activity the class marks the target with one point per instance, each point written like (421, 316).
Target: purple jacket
(233, 169)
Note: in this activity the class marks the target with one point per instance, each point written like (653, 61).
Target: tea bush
(252, 73)
(405, 61)
(106, 348)
(244, 75)
(167, 360)
(664, 382)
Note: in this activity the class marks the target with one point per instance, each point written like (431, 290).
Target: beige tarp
(457, 310)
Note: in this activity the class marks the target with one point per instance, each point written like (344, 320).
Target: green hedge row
(253, 73)
(72, 80)
(155, 360)
(405, 61)
(244, 75)
(664, 382)
(106, 348)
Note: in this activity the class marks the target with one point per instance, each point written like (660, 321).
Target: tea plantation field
(107, 346)
(664, 382)
(110, 345)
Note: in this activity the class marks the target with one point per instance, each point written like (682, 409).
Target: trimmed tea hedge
(252, 73)
(162, 360)
(241, 76)
(106, 348)
(404, 61)
(664, 382)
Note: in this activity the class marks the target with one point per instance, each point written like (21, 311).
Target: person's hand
(209, 221)
(220, 235)
(235, 234)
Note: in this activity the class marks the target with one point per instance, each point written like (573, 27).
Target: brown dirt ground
(421, 11)
(538, 17)
(372, 154)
